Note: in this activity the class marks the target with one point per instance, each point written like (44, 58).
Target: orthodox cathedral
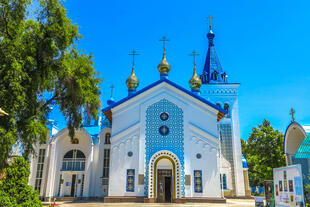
(162, 143)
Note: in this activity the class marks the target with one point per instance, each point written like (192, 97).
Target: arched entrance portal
(164, 177)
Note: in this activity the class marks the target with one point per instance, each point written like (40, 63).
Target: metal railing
(69, 164)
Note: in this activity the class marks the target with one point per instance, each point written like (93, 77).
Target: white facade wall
(56, 148)
(128, 135)
(200, 135)
(228, 93)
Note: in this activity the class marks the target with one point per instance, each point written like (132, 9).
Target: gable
(163, 83)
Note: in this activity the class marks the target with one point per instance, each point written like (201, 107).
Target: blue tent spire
(212, 71)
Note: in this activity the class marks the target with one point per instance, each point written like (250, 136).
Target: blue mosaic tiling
(154, 141)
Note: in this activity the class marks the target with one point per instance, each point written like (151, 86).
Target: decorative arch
(294, 135)
(176, 174)
(59, 136)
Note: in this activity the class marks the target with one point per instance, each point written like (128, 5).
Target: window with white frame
(74, 160)
(40, 167)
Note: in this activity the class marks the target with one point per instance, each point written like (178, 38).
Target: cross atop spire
(210, 20)
(164, 40)
(112, 86)
(292, 113)
(212, 71)
(133, 53)
(111, 100)
(194, 54)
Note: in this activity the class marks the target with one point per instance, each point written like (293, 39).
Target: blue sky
(264, 45)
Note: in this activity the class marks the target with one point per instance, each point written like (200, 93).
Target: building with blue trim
(162, 143)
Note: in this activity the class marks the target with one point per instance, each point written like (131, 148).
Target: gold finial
(292, 113)
(132, 82)
(164, 66)
(210, 20)
(195, 81)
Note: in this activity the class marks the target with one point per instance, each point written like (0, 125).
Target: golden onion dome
(132, 82)
(195, 81)
(164, 66)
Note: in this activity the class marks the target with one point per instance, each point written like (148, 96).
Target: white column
(239, 179)
(88, 172)
(52, 172)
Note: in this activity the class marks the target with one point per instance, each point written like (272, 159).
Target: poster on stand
(288, 186)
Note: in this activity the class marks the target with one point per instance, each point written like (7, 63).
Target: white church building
(162, 143)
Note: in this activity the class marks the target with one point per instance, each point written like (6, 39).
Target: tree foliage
(14, 188)
(263, 151)
(39, 57)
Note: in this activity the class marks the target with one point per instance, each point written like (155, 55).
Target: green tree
(14, 188)
(263, 151)
(40, 64)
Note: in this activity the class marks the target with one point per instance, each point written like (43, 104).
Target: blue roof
(304, 149)
(212, 65)
(170, 83)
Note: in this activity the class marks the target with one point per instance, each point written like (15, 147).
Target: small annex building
(297, 147)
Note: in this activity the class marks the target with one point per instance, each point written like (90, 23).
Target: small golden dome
(164, 66)
(132, 82)
(195, 81)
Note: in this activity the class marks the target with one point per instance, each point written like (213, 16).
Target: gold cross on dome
(194, 54)
(133, 53)
(210, 20)
(164, 40)
(292, 113)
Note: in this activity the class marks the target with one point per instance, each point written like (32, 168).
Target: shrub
(14, 187)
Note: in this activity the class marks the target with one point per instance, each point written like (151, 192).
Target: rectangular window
(130, 185)
(227, 148)
(59, 186)
(223, 181)
(40, 166)
(107, 138)
(82, 187)
(106, 163)
(198, 181)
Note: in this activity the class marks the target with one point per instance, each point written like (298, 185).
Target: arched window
(224, 77)
(218, 104)
(107, 138)
(214, 76)
(74, 160)
(226, 108)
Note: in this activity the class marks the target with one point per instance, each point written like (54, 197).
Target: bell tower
(216, 88)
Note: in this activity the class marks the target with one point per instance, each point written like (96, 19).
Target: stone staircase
(67, 199)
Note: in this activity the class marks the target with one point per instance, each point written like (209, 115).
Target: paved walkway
(230, 203)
